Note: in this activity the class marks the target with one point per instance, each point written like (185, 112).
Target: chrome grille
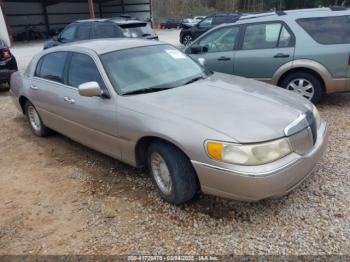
(304, 134)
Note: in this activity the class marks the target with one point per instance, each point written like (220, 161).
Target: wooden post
(91, 9)
(9, 30)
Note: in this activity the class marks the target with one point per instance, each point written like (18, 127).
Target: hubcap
(187, 40)
(34, 118)
(302, 87)
(161, 173)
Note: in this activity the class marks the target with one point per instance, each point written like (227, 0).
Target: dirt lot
(58, 197)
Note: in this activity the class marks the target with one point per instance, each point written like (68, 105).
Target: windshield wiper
(195, 79)
(147, 90)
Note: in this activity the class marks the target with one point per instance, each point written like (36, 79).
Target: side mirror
(197, 49)
(55, 38)
(90, 89)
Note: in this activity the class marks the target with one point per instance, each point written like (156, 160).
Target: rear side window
(106, 30)
(83, 32)
(219, 19)
(51, 66)
(327, 30)
(137, 30)
(265, 36)
(83, 69)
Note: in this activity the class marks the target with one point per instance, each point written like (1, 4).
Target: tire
(36, 124)
(179, 184)
(305, 84)
(187, 39)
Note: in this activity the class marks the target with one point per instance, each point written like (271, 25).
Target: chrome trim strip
(242, 173)
(297, 125)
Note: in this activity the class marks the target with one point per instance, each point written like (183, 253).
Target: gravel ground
(58, 197)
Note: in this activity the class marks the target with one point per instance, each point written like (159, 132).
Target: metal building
(49, 15)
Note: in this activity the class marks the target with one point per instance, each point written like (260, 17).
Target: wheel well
(142, 146)
(303, 70)
(22, 102)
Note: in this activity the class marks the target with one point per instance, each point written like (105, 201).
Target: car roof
(292, 14)
(106, 45)
(116, 20)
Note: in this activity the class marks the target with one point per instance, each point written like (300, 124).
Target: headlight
(317, 117)
(248, 155)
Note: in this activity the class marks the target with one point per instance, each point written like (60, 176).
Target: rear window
(327, 30)
(137, 30)
(51, 66)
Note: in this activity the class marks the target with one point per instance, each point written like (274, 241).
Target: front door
(265, 47)
(93, 119)
(218, 49)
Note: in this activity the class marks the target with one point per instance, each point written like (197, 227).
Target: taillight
(6, 54)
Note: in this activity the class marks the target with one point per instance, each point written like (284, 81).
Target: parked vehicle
(8, 63)
(190, 32)
(197, 19)
(172, 23)
(119, 27)
(148, 104)
(305, 51)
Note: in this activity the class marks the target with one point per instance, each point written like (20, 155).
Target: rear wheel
(304, 84)
(187, 39)
(34, 120)
(172, 173)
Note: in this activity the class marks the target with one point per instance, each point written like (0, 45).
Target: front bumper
(257, 183)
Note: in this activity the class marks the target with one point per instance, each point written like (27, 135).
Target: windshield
(137, 30)
(151, 67)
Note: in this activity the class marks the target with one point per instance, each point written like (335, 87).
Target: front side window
(151, 67)
(83, 69)
(83, 32)
(68, 34)
(52, 66)
(207, 22)
(221, 40)
(327, 30)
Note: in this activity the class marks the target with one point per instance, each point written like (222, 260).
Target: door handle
(69, 100)
(224, 58)
(281, 55)
(33, 87)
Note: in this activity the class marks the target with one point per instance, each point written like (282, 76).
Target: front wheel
(187, 39)
(304, 84)
(34, 120)
(172, 173)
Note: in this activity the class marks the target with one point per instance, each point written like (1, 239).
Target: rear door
(264, 48)
(47, 90)
(219, 49)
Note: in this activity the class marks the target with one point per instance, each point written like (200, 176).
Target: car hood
(245, 110)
